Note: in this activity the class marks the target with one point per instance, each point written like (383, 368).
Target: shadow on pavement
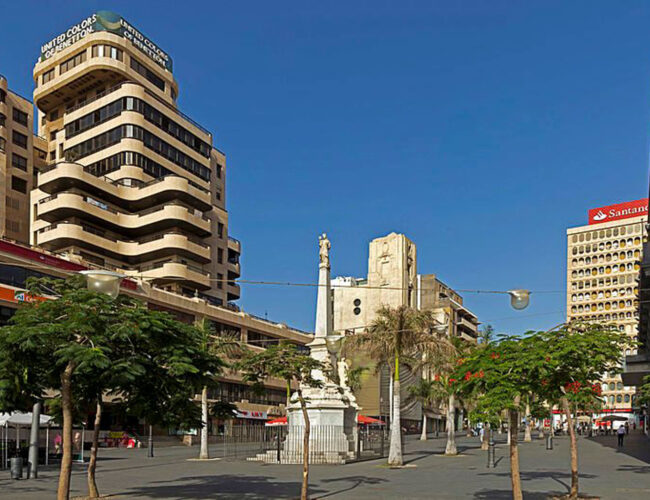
(635, 445)
(224, 486)
(356, 480)
(507, 495)
(562, 478)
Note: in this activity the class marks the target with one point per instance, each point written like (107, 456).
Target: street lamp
(106, 282)
(519, 299)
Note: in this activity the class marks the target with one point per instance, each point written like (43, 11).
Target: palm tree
(486, 335)
(446, 387)
(227, 345)
(354, 376)
(397, 335)
(423, 392)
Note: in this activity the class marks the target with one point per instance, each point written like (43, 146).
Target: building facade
(603, 262)
(21, 156)
(393, 280)
(131, 182)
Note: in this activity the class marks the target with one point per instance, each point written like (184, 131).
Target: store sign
(113, 23)
(257, 415)
(620, 211)
(18, 296)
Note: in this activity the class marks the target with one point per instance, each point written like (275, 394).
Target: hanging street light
(106, 282)
(519, 299)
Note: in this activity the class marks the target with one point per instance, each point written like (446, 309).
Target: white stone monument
(332, 408)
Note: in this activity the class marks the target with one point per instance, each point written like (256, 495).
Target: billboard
(625, 210)
(113, 23)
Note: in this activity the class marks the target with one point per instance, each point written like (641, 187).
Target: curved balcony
(65, 176)
(174, 272)
(233, 291)
(234, 270)
(66, 205)
(64, 234)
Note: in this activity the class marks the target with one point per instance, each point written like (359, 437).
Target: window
(151, 141)
(18, 184)
(3, 95)
(220, 229)
(19, 162)
(3, 120)
(19, 139)
(72, 62)
(13, 226)
(148, 74)
(220, 255)
(20, 116)
(54, 115)
(219, 281)
(107, 51)
(47, 76)
(219, 169)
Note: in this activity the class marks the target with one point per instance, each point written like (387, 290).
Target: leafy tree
(423, 392)
(85, 345)
(225, 345)
(397, 335)
(574, 356)
(502, 375)
(643, 392)
(286, 362)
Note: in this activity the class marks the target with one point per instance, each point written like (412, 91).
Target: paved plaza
(605, 471)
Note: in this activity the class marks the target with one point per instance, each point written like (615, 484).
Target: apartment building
(393, 280)
(131, 182)
(21, 156)
(603, 261)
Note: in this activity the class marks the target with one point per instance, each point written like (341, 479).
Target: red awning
(362, 419)
(277, 421)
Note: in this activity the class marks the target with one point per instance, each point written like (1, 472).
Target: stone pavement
(605, 471)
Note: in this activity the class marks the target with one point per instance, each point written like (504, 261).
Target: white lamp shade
(519, 299)
(106, 282)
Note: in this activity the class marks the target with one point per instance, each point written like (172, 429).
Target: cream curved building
(131, 182)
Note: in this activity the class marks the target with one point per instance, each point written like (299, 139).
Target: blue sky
(481, 129)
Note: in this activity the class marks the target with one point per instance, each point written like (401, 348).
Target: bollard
(16, 464)
(549, 441)
(490, 462)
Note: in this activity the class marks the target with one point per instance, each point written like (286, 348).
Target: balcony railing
(148, 92)
(118, 182)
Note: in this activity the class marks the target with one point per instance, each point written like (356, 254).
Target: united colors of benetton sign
(113, 23)
(619, 211)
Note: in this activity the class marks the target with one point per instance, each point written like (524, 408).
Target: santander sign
(619, 211)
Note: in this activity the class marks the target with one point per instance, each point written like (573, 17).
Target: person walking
(621, 434)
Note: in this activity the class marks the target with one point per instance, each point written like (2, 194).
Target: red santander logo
(625, 210)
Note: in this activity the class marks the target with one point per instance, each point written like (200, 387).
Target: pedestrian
(621, 434)
(57, 444)
(627, 427)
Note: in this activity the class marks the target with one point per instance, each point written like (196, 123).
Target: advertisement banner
(619, 211)
(113, 23)
(18, 296)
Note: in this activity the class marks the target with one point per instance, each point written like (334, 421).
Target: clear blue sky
(481, 129)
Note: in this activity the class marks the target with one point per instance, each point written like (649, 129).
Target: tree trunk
(485, 443)
(527, 431)
(305, 448)
(514, 456)
(395, 450)
(423, 436)
(63, 491)
(574, 449)
(204, 453)
(451, 449)
(93, 492)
